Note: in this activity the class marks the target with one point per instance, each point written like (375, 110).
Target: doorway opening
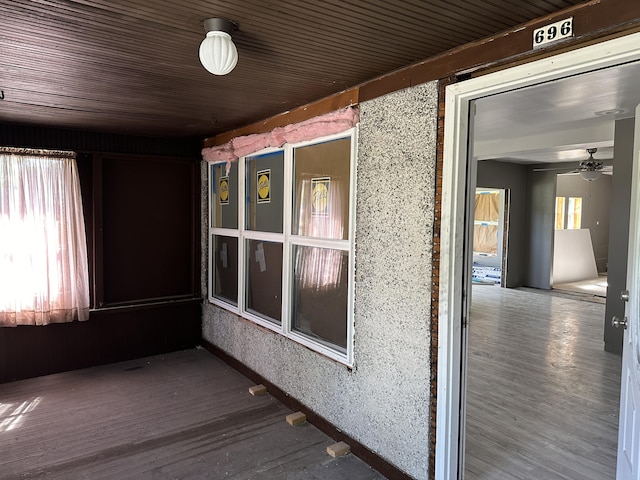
(458, 177)
(537, 371)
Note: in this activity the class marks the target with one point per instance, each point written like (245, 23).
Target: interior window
(568, 213)
(574, 213)
(281, 256)
(44, 273)
(560, 213)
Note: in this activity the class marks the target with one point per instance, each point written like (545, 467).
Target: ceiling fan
(589, 169)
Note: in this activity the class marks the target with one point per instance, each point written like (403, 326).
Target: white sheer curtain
(44, 275)
(320, 268)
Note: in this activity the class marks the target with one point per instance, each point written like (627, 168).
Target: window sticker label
(223, 190)
(264, 186)
(260, 258)
(223, 255)
(320, 188)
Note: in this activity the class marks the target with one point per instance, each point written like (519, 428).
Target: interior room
(543, 325)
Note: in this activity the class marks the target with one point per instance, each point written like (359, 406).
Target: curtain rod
(38, 152)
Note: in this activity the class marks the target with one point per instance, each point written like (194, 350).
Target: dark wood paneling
(12, 135)
(153, 224)
(95, 230)
(147, 227)
(108, 336)
(132, 65)
(85, 173)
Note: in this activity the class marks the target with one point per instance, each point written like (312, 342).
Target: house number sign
(553, 32)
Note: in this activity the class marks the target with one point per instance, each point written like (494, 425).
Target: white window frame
(289, 242)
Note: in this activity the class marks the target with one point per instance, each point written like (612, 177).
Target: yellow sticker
(223, 189)
(264, 186)
(320, 196)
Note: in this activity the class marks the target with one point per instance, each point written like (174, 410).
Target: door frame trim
(451, 337)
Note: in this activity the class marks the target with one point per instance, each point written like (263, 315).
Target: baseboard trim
(374, 460)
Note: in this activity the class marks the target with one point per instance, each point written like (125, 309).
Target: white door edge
(628, 461)
(457, 101)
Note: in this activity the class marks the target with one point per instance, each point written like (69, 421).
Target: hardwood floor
(542, 403)
(542, 395)
(185, 415)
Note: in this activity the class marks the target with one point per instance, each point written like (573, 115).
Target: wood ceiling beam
(325, 105)
(593, 21)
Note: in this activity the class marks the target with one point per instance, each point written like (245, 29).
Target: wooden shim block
(296, 418)
(338, 449)
(258, 390)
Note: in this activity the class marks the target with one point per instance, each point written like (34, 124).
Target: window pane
(264, 279)
(226, 268)
(321, 190)
(224, 196)
(574, 215)
(320, 292)
(559, 213)
(487, 206)
(265, 184)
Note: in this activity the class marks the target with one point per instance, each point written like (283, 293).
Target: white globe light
(590, 175)
(218, 54)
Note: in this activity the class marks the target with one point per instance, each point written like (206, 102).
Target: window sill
(145, 304)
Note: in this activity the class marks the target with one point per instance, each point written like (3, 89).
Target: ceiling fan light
(590, 175)
(218, 54)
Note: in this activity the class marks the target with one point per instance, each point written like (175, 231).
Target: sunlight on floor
(594, 286)
(597, 287)
(13, 415)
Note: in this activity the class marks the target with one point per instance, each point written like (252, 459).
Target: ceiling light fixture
(590, 169)
(590, 175)
(218, 54)
(609, 113)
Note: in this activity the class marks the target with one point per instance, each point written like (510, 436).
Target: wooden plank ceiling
(131, 66)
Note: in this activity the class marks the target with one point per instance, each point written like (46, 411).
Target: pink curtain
(43, 254)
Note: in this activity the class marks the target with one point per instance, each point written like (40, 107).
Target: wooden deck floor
(543, 395)
(185, 415)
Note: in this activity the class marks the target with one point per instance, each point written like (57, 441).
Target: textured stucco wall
(384, 401)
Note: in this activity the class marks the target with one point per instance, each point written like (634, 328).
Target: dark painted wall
(541, 188)
(142, 211)
(512, 177)
(619, 231)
